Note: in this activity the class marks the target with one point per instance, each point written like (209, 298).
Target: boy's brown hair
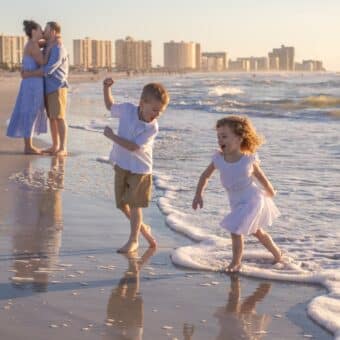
(242, 127)
(157, 92)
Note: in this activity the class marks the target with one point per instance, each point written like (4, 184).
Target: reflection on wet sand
(239, 320)
(125, 306)
(38, 228)
(188, 331)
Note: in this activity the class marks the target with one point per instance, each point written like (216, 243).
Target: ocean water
(299, 115)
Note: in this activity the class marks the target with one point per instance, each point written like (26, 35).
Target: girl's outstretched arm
(202, 183)
(261, 177)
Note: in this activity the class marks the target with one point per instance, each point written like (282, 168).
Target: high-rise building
(309, 66)
(240, 65)
(262, 63)
(318, 66)
(89, 53)
(258, 63)
(82, 53)
(11, 51)
(198, 57)
(133, 55)
(274, 64)
(101, 53)
(214, 61)
(182, 56)
(251, 64)
(285, 57)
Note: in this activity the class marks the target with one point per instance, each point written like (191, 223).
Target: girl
(251, 205)
(28, 116)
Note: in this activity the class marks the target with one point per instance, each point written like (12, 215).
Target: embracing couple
(44, 86)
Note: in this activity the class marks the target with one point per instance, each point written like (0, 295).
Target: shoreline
(76, 77)
(81, 282)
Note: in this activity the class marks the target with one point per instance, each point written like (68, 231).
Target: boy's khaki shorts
(55, 103)
(132, 189)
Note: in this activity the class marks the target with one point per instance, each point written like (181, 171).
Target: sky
(242, 28)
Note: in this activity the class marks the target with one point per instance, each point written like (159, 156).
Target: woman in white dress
(252, 207)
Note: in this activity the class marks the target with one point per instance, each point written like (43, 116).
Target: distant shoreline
(81, 76)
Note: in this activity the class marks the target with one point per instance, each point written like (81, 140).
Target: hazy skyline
(242, 28)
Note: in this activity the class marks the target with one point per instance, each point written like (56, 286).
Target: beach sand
(60, 276)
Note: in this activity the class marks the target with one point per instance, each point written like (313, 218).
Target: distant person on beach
(132, 155)
(55, 74)
(28, 116)
(251, 204)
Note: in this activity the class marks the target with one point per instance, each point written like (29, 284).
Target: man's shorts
(132, 189)
(55, 103)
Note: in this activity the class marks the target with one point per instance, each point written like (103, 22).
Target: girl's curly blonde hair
(242, 127)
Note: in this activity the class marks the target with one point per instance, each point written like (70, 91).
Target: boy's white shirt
(137, 131)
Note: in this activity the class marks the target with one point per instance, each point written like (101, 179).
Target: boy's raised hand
(108, 132)
(108, 82)
(198, 201)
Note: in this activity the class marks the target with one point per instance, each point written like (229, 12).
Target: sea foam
(224, 90)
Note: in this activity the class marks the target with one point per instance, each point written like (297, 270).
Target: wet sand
(61, 277)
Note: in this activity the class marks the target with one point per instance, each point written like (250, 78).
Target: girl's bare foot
(32, 151)
(146, 232)
(129, 247)
(234, 268)
(278, 259)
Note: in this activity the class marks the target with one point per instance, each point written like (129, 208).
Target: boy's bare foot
(128, 247)
(234, 268)
(32, 151)
(146, 232)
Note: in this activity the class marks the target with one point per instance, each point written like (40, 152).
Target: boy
(132, 155)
